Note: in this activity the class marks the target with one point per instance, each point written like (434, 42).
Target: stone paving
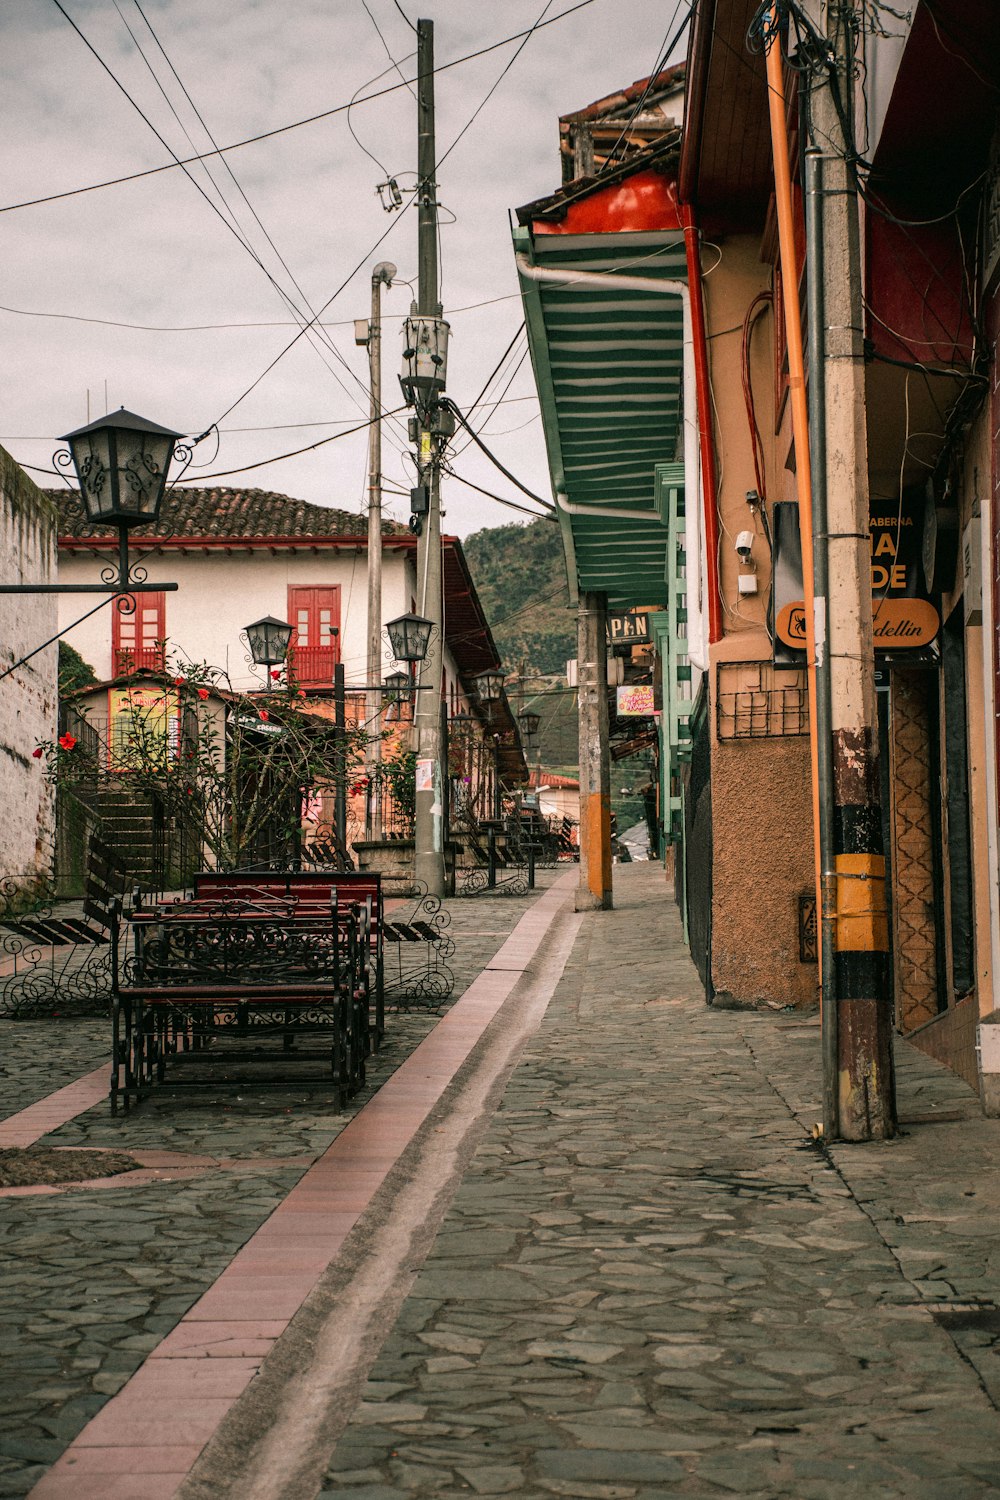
(94, 1278)
(651, 1282)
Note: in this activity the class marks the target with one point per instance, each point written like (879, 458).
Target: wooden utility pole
(854, 896)
(594, 891)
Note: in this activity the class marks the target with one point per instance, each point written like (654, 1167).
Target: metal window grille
(755, 700)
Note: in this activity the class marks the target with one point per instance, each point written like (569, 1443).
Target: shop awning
(608, 366)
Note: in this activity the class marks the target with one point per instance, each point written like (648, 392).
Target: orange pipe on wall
(797, 398)
(704, 422)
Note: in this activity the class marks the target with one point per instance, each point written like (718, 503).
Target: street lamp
(409, 636)
(269, 640)
(397, 687)
(121, 464)
(529, 722)
(489, 686)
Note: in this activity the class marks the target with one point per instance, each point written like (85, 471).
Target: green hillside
(521, 578)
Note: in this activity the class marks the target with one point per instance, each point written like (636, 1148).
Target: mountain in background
(520, 575)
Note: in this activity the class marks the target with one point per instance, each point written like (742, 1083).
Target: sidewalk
(608, 1263)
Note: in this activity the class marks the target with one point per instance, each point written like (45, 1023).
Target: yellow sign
(900, 623)
(144, 725)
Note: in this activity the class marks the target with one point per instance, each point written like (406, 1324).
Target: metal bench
(409, 954)
(216, 986)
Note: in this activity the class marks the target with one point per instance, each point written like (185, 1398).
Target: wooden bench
(207, 974)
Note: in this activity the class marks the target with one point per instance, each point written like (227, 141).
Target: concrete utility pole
(594, 891)
(854, 888)
(381, 275)
(426, 344)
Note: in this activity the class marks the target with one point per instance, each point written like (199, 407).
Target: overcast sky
(153, 252)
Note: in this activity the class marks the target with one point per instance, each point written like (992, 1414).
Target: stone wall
(28, 698)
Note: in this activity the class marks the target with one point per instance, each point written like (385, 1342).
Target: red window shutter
(314, 615)
(137, 638)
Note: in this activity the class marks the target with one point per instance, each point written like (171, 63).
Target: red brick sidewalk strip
(29, 1125)
(143, 1443)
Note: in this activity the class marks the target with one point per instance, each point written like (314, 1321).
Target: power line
(266, 135)
(23, 312)
(512, 504)
(545, 504)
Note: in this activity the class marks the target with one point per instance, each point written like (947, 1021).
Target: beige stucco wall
(28, 697)
(761, 794)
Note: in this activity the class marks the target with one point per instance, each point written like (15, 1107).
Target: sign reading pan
(628, 628)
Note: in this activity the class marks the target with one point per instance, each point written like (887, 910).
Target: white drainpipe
(693, 534)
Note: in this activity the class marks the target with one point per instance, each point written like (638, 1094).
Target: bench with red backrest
(344, 888)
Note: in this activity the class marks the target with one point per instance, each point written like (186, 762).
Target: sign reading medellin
(904, 619)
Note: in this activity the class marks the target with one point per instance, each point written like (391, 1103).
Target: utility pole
(594, 892)
(855, 923)
(423, 381)
(372, 336)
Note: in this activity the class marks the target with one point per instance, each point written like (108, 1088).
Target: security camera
(744, 546)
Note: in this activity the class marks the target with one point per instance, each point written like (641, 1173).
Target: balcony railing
(312, 666)
(125, 660)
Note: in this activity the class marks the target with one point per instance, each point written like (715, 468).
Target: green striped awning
(608, 366)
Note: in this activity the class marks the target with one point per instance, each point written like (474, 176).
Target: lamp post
(269, 640)
(369, 334)
(409, 636)
(121, 464)
(489, 687)
(397, 688)
(529, 722)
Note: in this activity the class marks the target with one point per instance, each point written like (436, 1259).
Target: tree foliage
(233, 768)
(74, 672)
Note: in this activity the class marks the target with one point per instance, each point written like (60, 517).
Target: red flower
(203, 692)
(264, 715)
(38, 752)
(67, 741)
(178, 682)
(275, 672)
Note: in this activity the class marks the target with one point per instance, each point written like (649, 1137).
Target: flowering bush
(234, 769)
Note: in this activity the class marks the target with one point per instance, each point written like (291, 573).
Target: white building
(237, 555)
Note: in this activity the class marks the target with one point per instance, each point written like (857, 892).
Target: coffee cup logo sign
(903, 619)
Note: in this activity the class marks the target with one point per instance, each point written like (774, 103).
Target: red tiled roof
(550, 779)
(232, 513)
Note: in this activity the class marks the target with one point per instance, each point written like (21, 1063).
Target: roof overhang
(726, 165)
(608, 365)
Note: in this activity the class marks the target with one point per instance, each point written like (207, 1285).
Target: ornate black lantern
(121, 462)
(269, 640)
(489, 686)
(397, 687)
(409, 636)
(529, 722)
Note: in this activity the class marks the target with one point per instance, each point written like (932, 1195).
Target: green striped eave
(608, 367)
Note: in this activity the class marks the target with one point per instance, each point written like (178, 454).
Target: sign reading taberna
(904, 619)
(628, 627)
(634, 701)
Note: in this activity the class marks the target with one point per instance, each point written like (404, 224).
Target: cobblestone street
(634, 1273)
